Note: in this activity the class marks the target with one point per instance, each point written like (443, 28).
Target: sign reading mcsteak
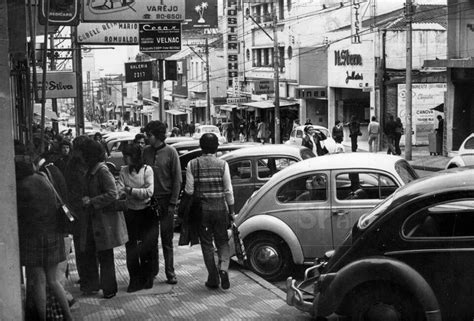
(160, 37)
(138, 71)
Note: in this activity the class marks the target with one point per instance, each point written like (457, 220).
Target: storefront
(351, 81)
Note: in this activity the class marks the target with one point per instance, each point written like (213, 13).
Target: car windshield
(406, 172)
(367, 219)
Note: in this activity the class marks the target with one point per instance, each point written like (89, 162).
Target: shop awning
(227, 107)
(268, 104)
(175, 112)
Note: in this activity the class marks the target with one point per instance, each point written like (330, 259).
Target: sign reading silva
(138, 71)
(160, 37)
(134, 10)
(59, 84)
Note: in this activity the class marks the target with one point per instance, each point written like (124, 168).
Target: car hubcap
(383, 312)
(266, 259)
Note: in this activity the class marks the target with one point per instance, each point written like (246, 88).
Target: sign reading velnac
(134, 10)
(160, 37)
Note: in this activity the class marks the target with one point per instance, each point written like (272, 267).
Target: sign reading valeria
(134, 10)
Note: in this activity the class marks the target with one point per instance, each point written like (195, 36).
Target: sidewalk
(249, 297)
(421, 158)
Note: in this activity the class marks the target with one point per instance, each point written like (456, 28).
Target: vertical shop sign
(232, 43)
(355, 21)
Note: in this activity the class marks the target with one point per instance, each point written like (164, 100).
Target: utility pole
(77, 66)
(208, 95)
(408, 106)
(161, 63)
(276, 66)
(121, 95)
(54, 101)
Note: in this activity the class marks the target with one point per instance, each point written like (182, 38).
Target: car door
(353, 193)
(303, 204)
(266, 166)
(242, 176)
(437, 236)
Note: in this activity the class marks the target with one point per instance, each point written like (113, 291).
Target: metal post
(208, 91)
(276, 66)
(79, 100)
(43, 81)
(408, 107)
(121, 95)
(162, 91)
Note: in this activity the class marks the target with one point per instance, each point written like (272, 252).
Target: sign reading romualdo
(134, 10)
(118, 33)
(59, 84)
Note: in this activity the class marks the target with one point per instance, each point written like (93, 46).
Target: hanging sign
(134, 10)
(160, 37)
(59, 84)
(61, 12)
(138, 71)
(123, 33)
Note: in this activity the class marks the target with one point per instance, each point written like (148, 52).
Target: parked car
(308, 208)
(186, 146)
(177, 139)
(465, 156)
(252, 167)
(208, 129)
(410, 257)
(297, 134)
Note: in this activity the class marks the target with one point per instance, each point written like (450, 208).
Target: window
(469, 143)
(247, 53)
(271, 165)
(308, 188)
(355, 185)
(240, 170)
(405, 171)
(290, 53)
(281, 9)
(451, 219)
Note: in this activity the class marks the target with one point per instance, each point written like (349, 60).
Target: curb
(261, 281)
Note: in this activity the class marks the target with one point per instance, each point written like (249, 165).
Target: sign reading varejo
(134, 10)
(59, 84)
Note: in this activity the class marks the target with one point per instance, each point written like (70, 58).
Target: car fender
(276, 226)
(456, 161)
(376, 269)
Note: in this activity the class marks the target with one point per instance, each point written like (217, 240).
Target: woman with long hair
(136, 184)
(104, 225)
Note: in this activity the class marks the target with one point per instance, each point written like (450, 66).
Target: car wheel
(268, 256)
(384, 302)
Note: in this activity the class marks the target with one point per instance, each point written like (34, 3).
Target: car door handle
(340, 212)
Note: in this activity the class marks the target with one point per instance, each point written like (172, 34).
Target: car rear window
(406, 172)
(469, 143)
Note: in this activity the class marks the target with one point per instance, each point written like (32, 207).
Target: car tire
(384, 302)
(268, 256)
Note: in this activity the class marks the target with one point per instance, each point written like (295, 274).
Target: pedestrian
(354, 132)
(105, 227)
(374, 132)
(140, 140)
(209, 177)
(398, 135)
(261, 131)
(439, 134)
(135, 183)
(40, 241)
(252, 129)
(308, 122)
(338, 132)
(167, 185)
(389, 131)
(192, 128)
(62, 161)
(313, 140)
(75, 177)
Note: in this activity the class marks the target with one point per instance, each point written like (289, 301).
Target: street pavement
(249, 297)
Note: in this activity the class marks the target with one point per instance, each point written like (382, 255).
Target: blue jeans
(166, 229)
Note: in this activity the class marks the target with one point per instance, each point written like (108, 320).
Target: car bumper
(301, 295)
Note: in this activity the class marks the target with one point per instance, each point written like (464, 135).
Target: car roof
(265, 149)
(186, 143)
(454, 179)
(173, 140)
(314, 126)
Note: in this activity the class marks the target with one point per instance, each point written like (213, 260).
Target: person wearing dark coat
(338, 132)
(398, 135)
(312, 140)
(354, 132)
(40, 240)
(389, 131)
(105, 227)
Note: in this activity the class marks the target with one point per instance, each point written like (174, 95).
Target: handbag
(66, 218)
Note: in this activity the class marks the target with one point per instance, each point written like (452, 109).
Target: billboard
(160, 37)
(200, 14)
(123, 33)
(61, 12)
(59, 84)
(134, 10)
